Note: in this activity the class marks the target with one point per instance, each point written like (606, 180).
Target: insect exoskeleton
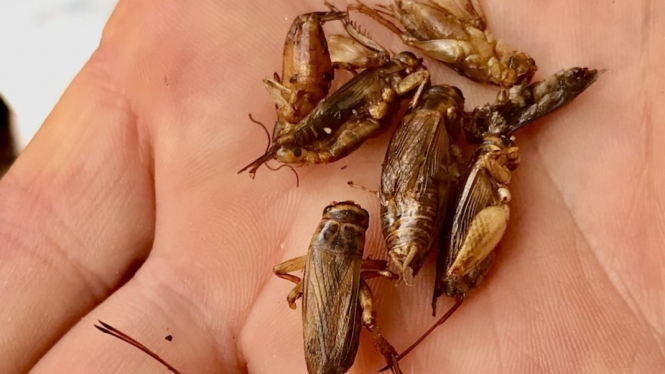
(455, 34)
(357, 111)
(336, 301)
(478, 217)
(419, 174)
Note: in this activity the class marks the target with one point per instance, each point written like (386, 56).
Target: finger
(76, 212)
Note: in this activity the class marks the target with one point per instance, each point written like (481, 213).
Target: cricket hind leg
(350, 138)
(363, 188)
(281, 96)
(348, 54)
(376, 15)
(283, 269)
(442, 320)
(369, 322)
(376, 268)
(469, 11)
(295, 294)
(358, 50)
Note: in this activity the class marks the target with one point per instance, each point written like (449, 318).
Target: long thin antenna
(290, 167)
(110, 330)
(264, 129)
(438, 323)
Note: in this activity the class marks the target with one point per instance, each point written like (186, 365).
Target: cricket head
(410, 61)
(521, 69)
(347, 212)
(441, 97)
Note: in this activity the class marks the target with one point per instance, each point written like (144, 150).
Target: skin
(139, 158)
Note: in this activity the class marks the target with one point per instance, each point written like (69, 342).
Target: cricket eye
(297, 152)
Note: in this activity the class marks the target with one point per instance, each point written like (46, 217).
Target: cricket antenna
(287, 166)
(438, 323)
(268, 147)
(110, 330)
(264, 129)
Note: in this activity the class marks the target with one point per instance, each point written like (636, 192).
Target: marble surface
(44, 45)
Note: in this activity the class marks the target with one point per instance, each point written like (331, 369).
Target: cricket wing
(331, 319)
(418, 154)
(469, 11)
(348, 53)
(352, 99)
(476, 192)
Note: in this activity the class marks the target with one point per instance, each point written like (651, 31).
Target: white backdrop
(43, 44)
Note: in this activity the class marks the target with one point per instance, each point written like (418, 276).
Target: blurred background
(44, 43)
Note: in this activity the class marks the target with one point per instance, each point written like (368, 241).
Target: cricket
(336, 300)
(419, 174)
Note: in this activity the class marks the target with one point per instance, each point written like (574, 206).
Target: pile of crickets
(427, 191)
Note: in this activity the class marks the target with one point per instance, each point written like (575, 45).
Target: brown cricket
(479, 216)
(455, 34)
(309, 61)
(8, 150)
(336, 300)
(419, 175)
(344, 120)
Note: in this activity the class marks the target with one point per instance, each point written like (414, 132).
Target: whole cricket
(358, 110)
(336, 300)
(479, 216)
(309, 62)
(455, 33)
(420, 171)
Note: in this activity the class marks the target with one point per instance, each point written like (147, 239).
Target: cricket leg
(282, 270)
(376, 268)
(364, 9)
(369, 322)
(294, 295)
(348, 54)
(369, 264)
(351, 137)
(279, 94)
(360, 187)
(418, 79)
(444, 318)
(466, 10)
(450, 51)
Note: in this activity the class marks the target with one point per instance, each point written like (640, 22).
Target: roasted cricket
(419, 175)
(343, 121)
(8, 151)
(336, 300)
(456, 35)
(308, 66)
(479, 216)
(521, 106)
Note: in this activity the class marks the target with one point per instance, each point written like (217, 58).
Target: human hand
(139, 159)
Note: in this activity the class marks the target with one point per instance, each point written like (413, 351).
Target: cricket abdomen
(409, 228)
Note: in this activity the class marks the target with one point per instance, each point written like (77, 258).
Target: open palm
(138, 162)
